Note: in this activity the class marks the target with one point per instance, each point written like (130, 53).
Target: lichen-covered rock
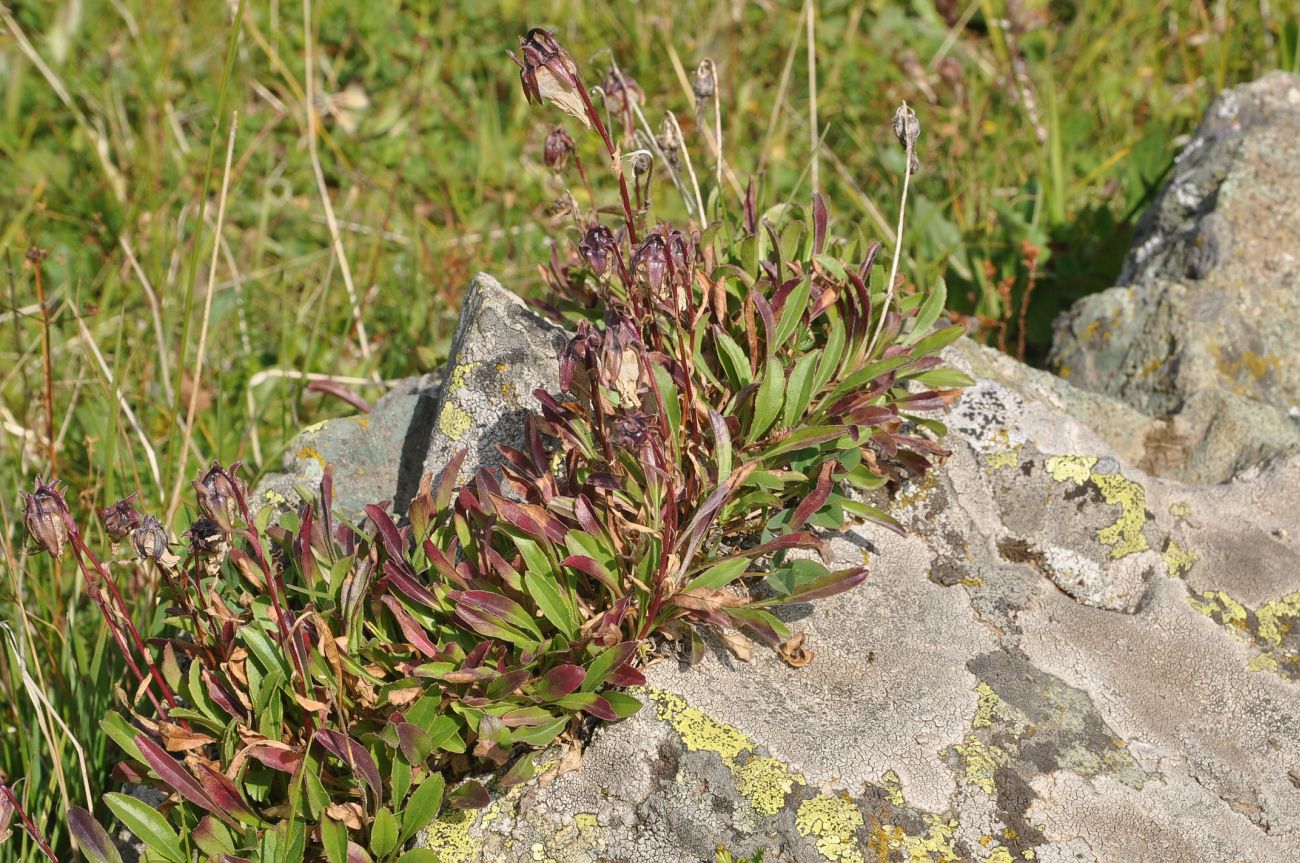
(500, 354)
(1202, 330)
(1065, 660)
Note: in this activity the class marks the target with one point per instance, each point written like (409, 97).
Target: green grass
(1052, 129)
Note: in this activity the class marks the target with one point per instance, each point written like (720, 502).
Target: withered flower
(45, 513)
(218, 495)
(596, 247)
(907, 128)
(121, 518)
(548, 72)
(652, 257)
(622, 92)
(631, 429)
(558, 150)
(584, 344)
(705, 82)
(149, 540)
(209, 544)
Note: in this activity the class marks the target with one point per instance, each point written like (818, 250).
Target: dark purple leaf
(411, 628)
(813, 503)
(352, 753)
(93, 840)
(819, 223)
(401, 579)
(559, 681)
(341, 392)
(177, 777)
(469, 795)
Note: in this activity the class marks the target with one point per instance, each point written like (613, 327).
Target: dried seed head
(548, 72)
(622, 92)
(652, 258)
(149, 540)
(907, 129)
(641, 161)
(121, 518)
(705, 82)
(45, 513)
(596, 248)
(558, 150)
(207, 540)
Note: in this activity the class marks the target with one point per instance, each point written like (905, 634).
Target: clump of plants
(733, 386)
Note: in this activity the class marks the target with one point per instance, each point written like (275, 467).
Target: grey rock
(500, 354)
(1066, 659)
(1202, 331)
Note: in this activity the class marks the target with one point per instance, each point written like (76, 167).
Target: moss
(832, 822)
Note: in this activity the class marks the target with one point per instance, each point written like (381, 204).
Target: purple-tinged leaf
(392, 538)
(357, 854)
(559, 681)
(448, 479)
(469, 795)
(626, 675)
(177, 777)
(352, 753)
(411, 628)
(494, 607)
(813, 503)
(532, 519)
(414, 741)
(276, 756)
(605, 663)
(340, 392)
(91, 838)
(223, 792)
(401, 579)
(819, 223)
(593, 568)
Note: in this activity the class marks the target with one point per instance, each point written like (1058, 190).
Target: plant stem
(36, 256)
(898, 248)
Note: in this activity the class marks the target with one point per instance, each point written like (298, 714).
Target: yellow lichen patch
(832, 823)
(765, 783)
(1248, 363)
(988, 705)
(454, 421)
(1125, 536)
(274, 498)
(979, 763)
(1180, 510)
(311, 452)
(1262, 662)
(1000, 854)
(1276, 618)
(892, 785)
(936, 846)
(698, 731)
(1075, 468)
(449, 837)
(1217, 605)
(1003, 460)
(361, 420)
(1178, 560)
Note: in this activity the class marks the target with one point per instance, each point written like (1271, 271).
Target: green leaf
(812, 436)
(540, 735)
(383, 832)
(334, 836)
(937, 341)
(767, 403)
(832, 354)
(719, 576)
(929, 313)
(622, 704)
(147, 825)
(942, 379)
(787, 579)
(554, 607)
(672, 406)
(122, 734)
(734, 362)
(419, 855)
(792, 313)
(423, 806)
(799, 390)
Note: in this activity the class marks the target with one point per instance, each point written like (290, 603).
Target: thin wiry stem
(813, 137)
(898, 248)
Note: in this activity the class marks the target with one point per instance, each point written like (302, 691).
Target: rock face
(500, 353)
(1202, 330)
(1069, 659)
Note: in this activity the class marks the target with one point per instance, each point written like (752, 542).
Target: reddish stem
(27, 822)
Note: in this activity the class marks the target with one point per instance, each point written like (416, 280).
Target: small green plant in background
(733, 387)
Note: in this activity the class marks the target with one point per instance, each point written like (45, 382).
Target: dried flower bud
(652, 258)
(45, 513)
(218, 495)
(149, 540)
(558, 149)
(631, 428)
(121, 518)
(705, 82)
(641, 161)
(596, 247)
(208, 543)
(547, 71)
(622, 92)
(573, 356)
(907, 129)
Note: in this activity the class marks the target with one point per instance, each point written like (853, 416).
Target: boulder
(1202, 330)
(501, 352)
(1066, 659)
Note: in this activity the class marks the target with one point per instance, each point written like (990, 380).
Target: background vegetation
(1046, 128)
